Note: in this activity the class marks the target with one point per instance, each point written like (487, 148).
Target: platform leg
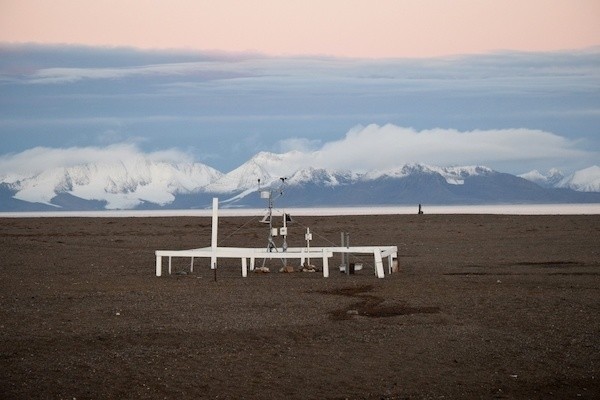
(169, 265)
(251, 263)
(378, 264)
(325, 266)
(244, 267)
(192, 265)
(158, 265)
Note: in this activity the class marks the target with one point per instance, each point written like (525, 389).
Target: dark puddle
(371, 306)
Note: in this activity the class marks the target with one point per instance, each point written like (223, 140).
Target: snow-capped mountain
(268, 167)
(321, 176)
(585, 180)
(452, 175)
(121, 185)
(412, 184)
(144, 183)
(548, 180)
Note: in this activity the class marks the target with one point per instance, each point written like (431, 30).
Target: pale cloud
(362, 149)
(508, 71)
(39, 159)
(389, 146)
(204, 70)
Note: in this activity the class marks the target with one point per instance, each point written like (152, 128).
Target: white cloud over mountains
(368, 148)
(39, 159)
(381, 147)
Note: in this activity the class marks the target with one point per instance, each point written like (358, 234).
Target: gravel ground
(483, 306)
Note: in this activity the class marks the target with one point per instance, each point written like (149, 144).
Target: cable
(355, 257)
(239, 228)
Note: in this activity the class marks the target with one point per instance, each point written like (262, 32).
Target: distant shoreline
(502, 209)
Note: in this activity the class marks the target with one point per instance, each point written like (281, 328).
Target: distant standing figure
(420, 211)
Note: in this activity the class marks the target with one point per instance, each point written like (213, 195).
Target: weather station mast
(271, 195)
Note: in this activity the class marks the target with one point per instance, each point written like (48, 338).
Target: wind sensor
(271, 195)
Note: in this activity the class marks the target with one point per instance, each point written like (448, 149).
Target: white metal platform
(301, 253)
(215, 252)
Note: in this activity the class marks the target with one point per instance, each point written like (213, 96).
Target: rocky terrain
(483, 306)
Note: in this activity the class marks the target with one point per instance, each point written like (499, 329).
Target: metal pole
(215, 225)
(308, 237)
(270, 242)
(347, 254)
(284, 246)
(343, 244)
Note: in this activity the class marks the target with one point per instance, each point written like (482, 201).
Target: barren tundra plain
(483, 306)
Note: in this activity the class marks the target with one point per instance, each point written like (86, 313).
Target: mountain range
(147, 184)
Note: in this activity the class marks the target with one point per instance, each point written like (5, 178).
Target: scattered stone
(395, 265)
(287, 269)
(262, 270)
(308, 268)
(181, 273)
(352, 312)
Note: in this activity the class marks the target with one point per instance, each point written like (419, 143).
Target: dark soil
(483, 307)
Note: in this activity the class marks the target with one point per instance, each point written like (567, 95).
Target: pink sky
(350, 28)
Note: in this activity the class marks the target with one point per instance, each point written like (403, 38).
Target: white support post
(342, 254)
(302, 258)
(389, 264)
(215, 225)
(244, 267)
(192, 265)
(347, 255)
(308, 237)
(325, 265)
(251, 263)
(158, 265)
(378, 264)
(169, 265)
(284, 234)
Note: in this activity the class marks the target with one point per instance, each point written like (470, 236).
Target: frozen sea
(506, 209)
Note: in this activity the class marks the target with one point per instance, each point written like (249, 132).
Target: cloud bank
(362, 149)
(384, 147)
(39, 159)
